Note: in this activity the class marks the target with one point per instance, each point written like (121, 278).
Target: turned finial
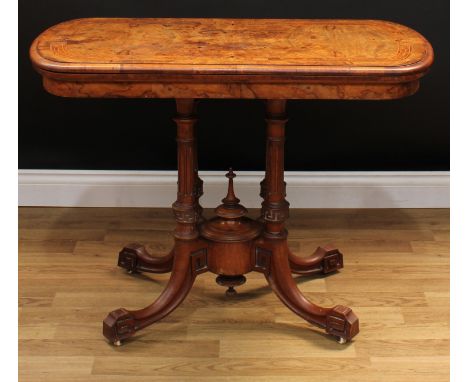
(230, 208)
(231, 197)
(230, 223)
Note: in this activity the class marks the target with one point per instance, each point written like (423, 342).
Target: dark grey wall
(406, 134)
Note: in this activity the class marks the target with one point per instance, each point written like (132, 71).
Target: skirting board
(85, 188)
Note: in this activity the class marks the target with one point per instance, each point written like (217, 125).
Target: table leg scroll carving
(189, 261)
(324, 260)
(135, 258)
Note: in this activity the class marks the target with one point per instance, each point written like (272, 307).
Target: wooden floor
(396, 279)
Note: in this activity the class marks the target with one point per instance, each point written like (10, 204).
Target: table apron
(131, 89)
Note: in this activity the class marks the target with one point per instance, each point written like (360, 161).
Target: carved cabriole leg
(271, 258)
(271, 253)
(190, 259)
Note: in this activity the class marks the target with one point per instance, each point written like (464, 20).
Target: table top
(231, 46)
(232, 50)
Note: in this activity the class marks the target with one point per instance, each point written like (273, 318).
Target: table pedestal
(230, 244)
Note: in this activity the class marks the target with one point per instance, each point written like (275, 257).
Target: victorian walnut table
(191, 59)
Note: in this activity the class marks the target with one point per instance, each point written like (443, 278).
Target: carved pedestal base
(268, 256)
(231, 245)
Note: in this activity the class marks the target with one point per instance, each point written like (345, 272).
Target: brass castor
(230, 282)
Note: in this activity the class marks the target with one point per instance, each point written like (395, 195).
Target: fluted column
(275, 208)
(186, 209)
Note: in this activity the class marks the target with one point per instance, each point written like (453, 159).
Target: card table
(194, 59)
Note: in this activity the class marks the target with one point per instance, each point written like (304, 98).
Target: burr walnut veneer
(191, 59)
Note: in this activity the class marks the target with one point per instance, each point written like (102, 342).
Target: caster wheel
(118, 343)
(341, 340)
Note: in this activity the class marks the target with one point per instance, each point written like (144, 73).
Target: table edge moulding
(270, 59)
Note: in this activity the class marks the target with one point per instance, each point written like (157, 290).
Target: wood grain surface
(396, 277)
(231, 58)
(231, 46)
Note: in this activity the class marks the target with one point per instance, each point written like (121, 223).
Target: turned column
(275, 208)
(189, 187)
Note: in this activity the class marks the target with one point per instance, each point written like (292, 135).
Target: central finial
(231, 197)
(230, 225)
(230, 209)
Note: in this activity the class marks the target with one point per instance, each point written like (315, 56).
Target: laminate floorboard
(396, 279)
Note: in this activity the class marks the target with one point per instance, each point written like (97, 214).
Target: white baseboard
(85, 188)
